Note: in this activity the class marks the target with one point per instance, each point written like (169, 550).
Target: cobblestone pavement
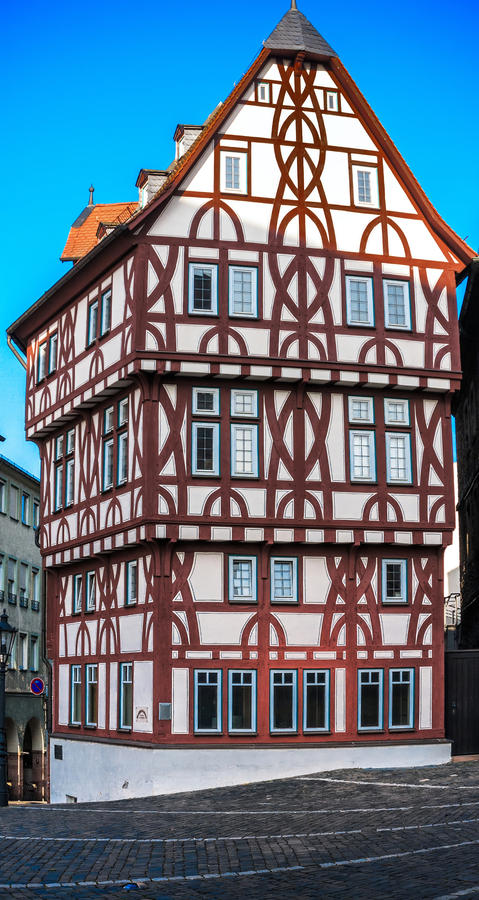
(403, 833)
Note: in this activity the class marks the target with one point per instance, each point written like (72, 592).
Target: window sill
(204, 312)
(361, 325)
(242, 734)
(371, 731)
(285, 731)
(125, 729)
(394, 602)
(284, 602)
(130, 603)
(209, 733)
(401, 728)
(74, 724)
(88, 612)
(91, 727)
(317, 731)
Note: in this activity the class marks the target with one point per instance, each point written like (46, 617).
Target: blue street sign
(37, 685)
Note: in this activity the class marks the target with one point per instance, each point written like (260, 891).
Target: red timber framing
(307, 539)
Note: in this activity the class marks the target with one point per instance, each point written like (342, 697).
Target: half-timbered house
(242, 399)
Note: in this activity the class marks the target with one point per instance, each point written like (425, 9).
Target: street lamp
(7, 637)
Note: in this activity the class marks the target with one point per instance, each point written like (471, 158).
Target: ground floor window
(316, 700)
(370, 699)
(75, 702)
(126, 695)
(401, 698)
(283, 700)
(208, 700)
(91, 698)
(242, 701)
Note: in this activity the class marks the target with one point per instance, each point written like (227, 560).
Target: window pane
(315, 706)
(232, 172)
(241, 706)
(396, 304)
(92, 321)
(361, 451)
(105, 311)
(359, 302)
(401, 705)
(204, 448)
(370, 697)
(283, 706)
(207, 707)
(122, 457)
(394, 585)
(242, 579)
(244, 447)
(205, 401)
(242, 291)
(398, 457)
(364, 186)
(283, 579)
(202, 289)
(52, 361)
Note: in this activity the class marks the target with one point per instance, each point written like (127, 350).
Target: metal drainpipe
(16, 353)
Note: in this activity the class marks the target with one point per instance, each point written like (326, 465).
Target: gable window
(370, 699)
(244, 451)
(316, 700)
(203, 295)
(75, 702)
(361, 410)
(207, 716)
(242, 701)
(77, 593)
(396, 412)
(233, 171)
(242, 579)
(91, 695)
(398, 458)
(90, 600)
(401, 698)
(359, 300)
(131, 582)
(284, 579)
(92, 322)
(126, 695)
(243, 291)
(244, 403)
(362, 456)
(206, 401)
(283, 700)
(365, 186)
(263, 92)
(332, 101)
(105, 312)
(394, 581)
(205, 448)
(397, 308)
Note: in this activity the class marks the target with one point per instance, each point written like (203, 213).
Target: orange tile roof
(83, 233)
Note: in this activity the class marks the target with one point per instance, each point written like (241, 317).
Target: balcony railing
(24, 601)
(35, 605)
(12, 598)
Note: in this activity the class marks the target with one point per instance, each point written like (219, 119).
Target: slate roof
(294, 33)
(83, 233)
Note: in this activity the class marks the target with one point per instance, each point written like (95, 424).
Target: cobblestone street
(365, 834)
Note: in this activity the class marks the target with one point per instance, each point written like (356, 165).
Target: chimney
(184, 137)
(150, 181)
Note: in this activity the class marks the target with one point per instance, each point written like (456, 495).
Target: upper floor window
(332, 101)
(362, 455)
(361, 410)
(244, 403)
(359, 300)
(398, 458)
(397, 307)
(105, 323)
(233, 171)
(35, 590)
(14, 501)
(203, 294)
(243, 291)
(25, 509)
(65, 469)
(99, 317)
(47, 356)
(206, 401)
(115, 444)
(91, 695)
(206, 448)
(52, 352)
(131, 582)
(263, 92)
(42, 360)
(90, 600)
(12, 579)
(396, 412)
(365, 185)
(34, 652)
(92, 321)
(23, 585)
(77, 593)
(284, 579)
(244, 450)
(394, 580)
(242, 579)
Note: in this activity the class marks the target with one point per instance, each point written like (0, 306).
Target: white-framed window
(34, 652)
(42, 360)
(401, 698)
(69, 482)
(35, 514)
(91, 695)
(92, 322)
(394, 580)
(359, 300)
(35, 589)
(243, 291)
(365, 185)
(332, 101)
(126, 695)
(23, 652)
(361, 410)
(244, 403)
(242, 579)
(105, 311)
(59, 444)
(90, 599)
(207, 711)
(205, 448)
(370, 699)
(362, 455)
(77, 593)
(52, 352)
(397, 306)
(263, 92)
(123, 412)
(244, 451)
(122, 457)
(206, 401)
(242, 701)
(70, 441)
(284, 579)
(108, 450)
(203, 290)
(58, 487)
(398, 458)
(233, 171)
(131, 582)
(316, 700)
(108, 419)
(75, 696)
(396, 412)
(283, 701)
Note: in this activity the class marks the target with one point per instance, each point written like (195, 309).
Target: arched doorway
(13, 761)
(33, 761)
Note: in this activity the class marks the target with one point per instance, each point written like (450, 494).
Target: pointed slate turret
(295, 33)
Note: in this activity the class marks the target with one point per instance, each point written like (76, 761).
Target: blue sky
(92, 93)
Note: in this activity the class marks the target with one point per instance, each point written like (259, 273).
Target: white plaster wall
(119, 772)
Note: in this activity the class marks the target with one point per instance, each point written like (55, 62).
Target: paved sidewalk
(404, 833)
